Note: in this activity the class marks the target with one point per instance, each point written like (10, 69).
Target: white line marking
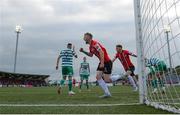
(62, 105)
(167, 103)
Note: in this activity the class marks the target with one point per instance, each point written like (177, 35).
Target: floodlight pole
(18, 31)
(167, 30)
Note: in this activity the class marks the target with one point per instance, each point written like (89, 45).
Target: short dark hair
(120, 46)
(69, 44)
(89, 34)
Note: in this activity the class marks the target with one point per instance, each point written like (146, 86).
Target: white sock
(115, 77)
(104, 86)
(131, 80)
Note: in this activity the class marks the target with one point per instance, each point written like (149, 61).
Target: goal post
(157, 24)
(140, 59)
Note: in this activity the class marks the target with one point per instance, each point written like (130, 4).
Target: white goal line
(167, 103)
(67, 105)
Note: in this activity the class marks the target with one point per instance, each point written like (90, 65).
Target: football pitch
(41, 100)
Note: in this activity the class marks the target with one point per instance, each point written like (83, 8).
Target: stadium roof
(22, 76)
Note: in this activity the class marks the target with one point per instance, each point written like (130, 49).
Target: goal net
(158, 47)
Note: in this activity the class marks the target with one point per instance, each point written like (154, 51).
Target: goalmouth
(158, 36)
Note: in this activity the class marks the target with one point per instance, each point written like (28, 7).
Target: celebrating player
(67, 66)
(84, 72)
(105, 66)
(157, 68)
(123, 56)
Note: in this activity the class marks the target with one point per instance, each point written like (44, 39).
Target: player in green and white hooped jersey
(157, 68)
(84, 72)
(66, 56)
(152, 78)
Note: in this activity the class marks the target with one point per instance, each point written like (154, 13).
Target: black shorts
(107, 67)
(132, 69)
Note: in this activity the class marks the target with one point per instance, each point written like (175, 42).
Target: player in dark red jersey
(105, 65)
(123, 56)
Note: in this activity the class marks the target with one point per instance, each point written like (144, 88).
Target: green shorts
(67, 71)
(86, 77)
(161, 67)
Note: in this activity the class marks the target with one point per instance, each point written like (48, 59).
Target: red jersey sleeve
(130, 53)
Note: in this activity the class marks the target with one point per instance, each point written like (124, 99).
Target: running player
(123, 56)
(84, 72)
(157, 68)
(67, 67)
(105, 65)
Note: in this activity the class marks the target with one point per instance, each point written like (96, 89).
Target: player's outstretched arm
(57, 62)
(74, 53)
(114, 59)
(132, 54)
(87, 53)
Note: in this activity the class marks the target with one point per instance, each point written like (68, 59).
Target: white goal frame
(141, 63)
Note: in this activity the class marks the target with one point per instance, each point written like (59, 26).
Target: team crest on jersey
(97, 47)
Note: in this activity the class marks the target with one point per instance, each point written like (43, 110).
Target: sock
(104, 86)
(80, 85)
(62, 82)
(70, 85)
(161, 82)
(131, 80)
(154, 83)
(87, 85)
(115, 77)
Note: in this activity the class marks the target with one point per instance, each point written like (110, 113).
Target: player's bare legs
(107, 78)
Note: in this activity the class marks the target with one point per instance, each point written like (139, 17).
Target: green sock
(87, 85)
(154, 83)
(62, 82)
(70, 85)
(80, 85)
(161, 82)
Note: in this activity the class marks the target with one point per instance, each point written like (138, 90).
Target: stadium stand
(8, 79)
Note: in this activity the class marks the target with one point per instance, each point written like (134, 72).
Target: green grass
(48, 95)
(171, 93)
(85, 110)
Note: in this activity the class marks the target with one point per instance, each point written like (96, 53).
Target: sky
(48, 25)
